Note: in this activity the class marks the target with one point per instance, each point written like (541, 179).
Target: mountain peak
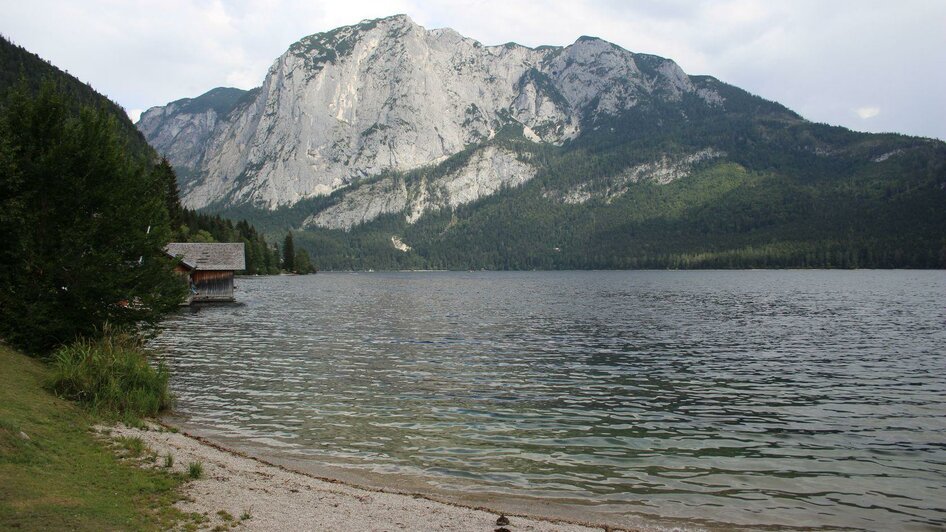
(398, 18)
(388, 95)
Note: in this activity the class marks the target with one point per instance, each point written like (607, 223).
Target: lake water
(702, 399)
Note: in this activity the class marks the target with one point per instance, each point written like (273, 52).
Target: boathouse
(208, 268)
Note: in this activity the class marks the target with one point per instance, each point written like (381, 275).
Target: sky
(867, 65)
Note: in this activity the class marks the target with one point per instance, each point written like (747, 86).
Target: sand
(270, 497)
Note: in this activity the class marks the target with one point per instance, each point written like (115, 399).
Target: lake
(697, 398)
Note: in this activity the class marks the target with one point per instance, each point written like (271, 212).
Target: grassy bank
(55, 473)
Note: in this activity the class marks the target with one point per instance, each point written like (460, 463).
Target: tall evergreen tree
(165, 174)
(84, 222)
(288, 254)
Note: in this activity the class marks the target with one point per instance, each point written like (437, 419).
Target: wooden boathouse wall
(213, 285)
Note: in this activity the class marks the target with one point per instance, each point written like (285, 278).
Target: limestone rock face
(343, 107)
(179, 136)
(486, 172)
(661, 171)
(181, 130)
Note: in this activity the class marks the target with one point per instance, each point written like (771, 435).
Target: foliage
(85, 221)
(295, 260)
(195, 470)
(84, 214)
(27, 72)
(302, 263)
(261, 258)
(288, 254)
(166, 176)
(19, 66)
(112, 377)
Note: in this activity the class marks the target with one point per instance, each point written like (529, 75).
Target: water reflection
(754, 398)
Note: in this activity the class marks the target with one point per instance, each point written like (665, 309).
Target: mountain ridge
(386, 144)
(348, 136)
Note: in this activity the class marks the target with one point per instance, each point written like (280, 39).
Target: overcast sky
(867, 65)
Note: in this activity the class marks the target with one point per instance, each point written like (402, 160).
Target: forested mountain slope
(21, 70)
(20, 65)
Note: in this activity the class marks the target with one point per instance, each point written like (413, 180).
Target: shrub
(112, 377)
(195, 470)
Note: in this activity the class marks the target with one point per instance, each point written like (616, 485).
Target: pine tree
(86, 222)
(288, 254)
(165, 175)
(302, 262)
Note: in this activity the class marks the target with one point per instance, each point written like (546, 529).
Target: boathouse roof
(198, 256)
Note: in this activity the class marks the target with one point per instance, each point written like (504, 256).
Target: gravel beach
(270, 497)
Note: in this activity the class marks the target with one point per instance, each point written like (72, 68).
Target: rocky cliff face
(343, 107)
(181, 130)
(486, 172)
(661, 171)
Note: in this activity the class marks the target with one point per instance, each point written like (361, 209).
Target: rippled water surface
(754, 398)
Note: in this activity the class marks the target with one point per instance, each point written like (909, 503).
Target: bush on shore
(112, 377)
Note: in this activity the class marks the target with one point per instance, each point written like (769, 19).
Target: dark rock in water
(502, 521)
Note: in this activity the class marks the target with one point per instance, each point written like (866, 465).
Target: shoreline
(277, 497)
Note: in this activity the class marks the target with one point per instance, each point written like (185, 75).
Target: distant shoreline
(253, 276)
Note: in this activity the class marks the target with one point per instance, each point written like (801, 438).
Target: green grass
(64, 477)
(195, 470)
(133, 444)
(112, 377)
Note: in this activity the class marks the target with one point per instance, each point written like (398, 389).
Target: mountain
(388, 95)
(389, 145)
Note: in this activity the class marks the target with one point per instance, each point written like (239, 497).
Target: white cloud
(815, 57)
(867, 112)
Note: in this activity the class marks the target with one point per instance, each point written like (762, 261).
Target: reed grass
(112, 377)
